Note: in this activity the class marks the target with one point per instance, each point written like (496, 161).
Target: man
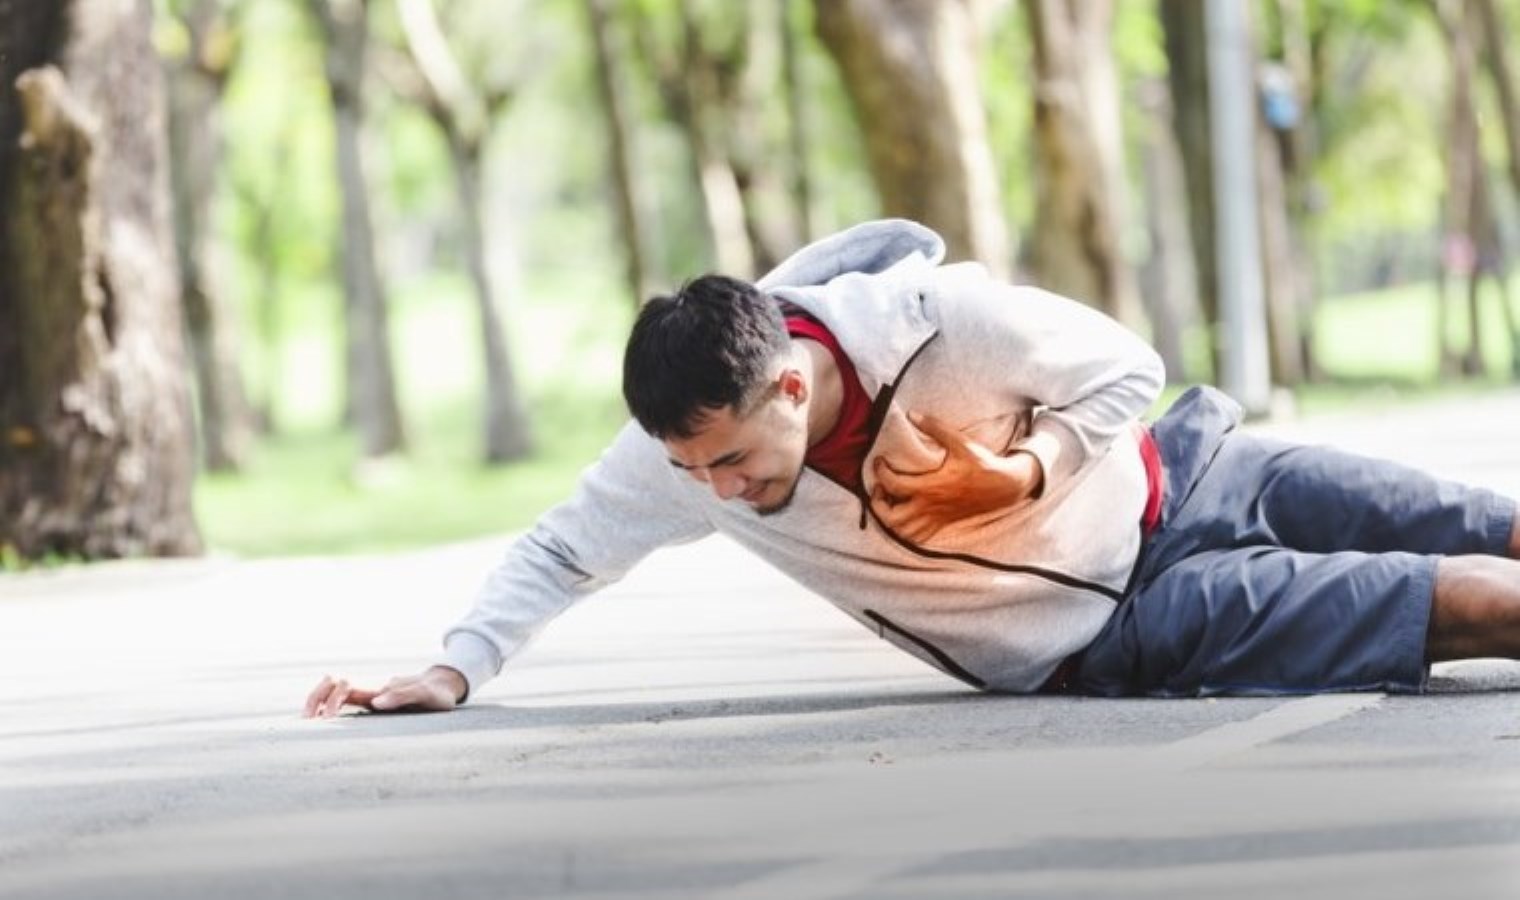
(957, 463)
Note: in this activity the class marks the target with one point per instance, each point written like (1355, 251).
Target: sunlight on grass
(303, 492)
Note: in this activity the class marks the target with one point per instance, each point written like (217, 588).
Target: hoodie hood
(868, 249)
(860, 283)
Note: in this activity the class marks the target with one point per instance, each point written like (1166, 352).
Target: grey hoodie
(998, 601)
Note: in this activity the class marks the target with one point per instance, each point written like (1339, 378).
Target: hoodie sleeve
(1086, 375)
(623, 509)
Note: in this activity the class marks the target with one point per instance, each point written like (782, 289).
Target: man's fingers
(318, 696)
(953, 441)
(335, 698)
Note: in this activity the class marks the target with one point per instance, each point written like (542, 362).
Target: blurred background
(321, 276)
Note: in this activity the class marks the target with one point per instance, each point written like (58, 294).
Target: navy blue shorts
(1283, 569)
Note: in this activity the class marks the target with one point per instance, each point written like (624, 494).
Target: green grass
(302, 493)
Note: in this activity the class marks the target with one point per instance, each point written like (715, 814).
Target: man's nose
(725, 484)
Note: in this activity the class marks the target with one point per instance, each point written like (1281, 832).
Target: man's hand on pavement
(438, 689)
(971, 481)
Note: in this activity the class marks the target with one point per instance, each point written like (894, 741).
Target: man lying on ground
(958, 464)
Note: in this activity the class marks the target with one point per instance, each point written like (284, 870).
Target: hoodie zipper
(942, 658)
(878, 418)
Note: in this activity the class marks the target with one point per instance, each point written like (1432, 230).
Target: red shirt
(842, 452)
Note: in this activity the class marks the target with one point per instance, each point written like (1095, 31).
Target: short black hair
(707, 347)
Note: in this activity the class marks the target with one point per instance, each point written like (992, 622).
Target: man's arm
(625, 506)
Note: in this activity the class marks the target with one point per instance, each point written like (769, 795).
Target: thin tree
(464, 114)
(197, 79)
(96, 455)
(1493, 26)
(371, 380)
(1187, 72)
(910, 69)
(1169, 279)
(799, 130)
(690, 78)
(1076, 242)
(1472, 249)
(608, 57)
(1495, 29)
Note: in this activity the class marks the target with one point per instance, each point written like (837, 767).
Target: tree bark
(1463, 179)
(1298, 148)
(746, 140)
(371, 373)
(196, 82)
(1186, 43)
(1077, 248)
(1169, 279)
(464, 116)
(722, 199)
(508, 435)
(96, 456)
(1280, 265)
(609, 75)
(1495, 30)
(909, 67)
(799, 132)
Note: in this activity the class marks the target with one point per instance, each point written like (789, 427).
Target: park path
(707, 729)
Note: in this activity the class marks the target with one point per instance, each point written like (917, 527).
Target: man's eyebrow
(725, 459)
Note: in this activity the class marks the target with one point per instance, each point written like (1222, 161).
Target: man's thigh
(1266, 620)
(1324, 500)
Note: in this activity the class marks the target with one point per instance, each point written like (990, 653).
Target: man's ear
(792, 385)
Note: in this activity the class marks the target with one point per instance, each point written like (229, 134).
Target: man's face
(754, 459)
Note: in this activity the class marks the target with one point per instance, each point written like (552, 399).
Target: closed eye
(728, 459)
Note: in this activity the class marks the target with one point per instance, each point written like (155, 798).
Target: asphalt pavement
(708, 729)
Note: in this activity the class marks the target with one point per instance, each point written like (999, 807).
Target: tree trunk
(799, 134)
(1495, 30)
(96, 456)
(1280, 265)
(909, 67)
(722, 201)
(1463, 163)
(762, 190)
(609, 75)
(464, 116)
(263, 205)
(1186, 45)
(508, 435)
(1077, 248)
(1298, 149)
(195, 150)
(1169, 280)
(371, 374)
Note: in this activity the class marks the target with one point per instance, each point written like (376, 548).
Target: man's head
(710, 372)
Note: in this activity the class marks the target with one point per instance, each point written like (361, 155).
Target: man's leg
(1476, 608)
(1265, 620)
(1262, 491)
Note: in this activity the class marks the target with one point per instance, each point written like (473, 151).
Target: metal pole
(1242, 337)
